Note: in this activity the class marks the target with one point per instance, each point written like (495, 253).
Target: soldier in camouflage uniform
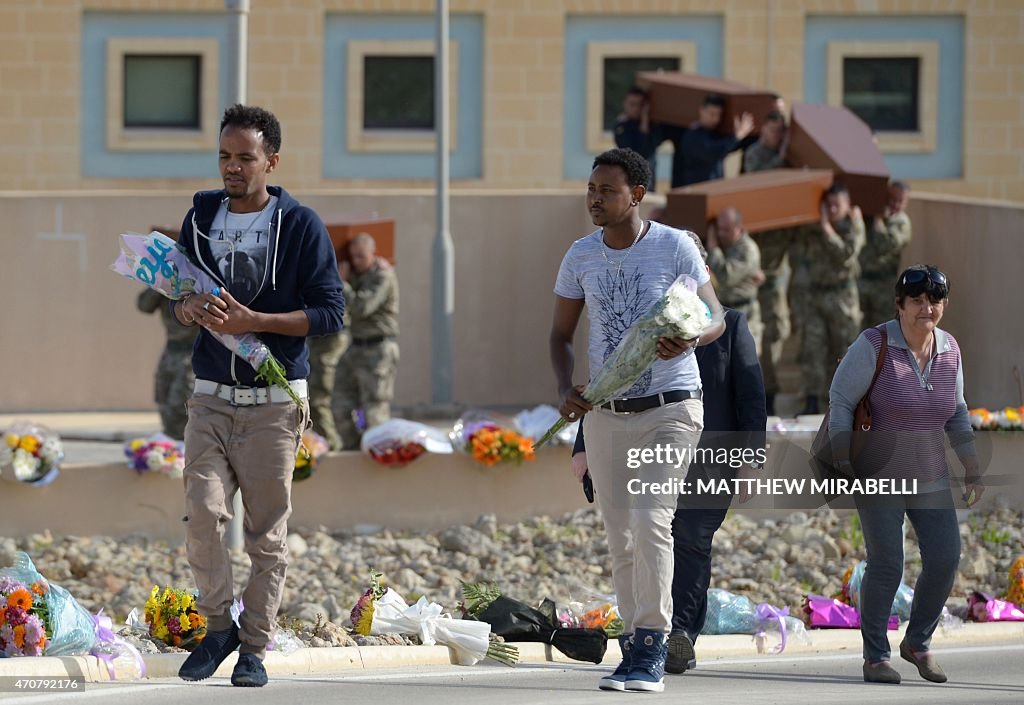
(366, 372)
(735, 263)
(769, 152)
(880, 258)
(831, 313)
(174, 377)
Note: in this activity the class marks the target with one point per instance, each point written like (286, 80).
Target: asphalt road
(978, 676)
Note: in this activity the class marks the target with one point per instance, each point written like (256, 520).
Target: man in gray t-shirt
(617, 273)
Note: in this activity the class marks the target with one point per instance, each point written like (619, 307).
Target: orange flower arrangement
(490, 445)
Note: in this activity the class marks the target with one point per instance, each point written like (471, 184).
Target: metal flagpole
(443, 280)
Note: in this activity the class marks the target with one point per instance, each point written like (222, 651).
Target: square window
(162, 91)
(399, 92)
(620, 75)
(883, 91)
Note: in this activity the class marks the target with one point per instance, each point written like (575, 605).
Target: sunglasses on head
(918, 276)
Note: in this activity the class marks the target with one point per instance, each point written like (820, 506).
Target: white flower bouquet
(155, 260)
(31, 454)
(680, 313)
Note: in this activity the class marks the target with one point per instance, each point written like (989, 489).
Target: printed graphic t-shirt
(240, 243)
(617, 297)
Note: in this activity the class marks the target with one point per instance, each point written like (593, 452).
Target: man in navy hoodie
(275, 265)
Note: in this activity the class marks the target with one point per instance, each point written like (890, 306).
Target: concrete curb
(333, 660)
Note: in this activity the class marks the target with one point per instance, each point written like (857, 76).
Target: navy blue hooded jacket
(303, 274)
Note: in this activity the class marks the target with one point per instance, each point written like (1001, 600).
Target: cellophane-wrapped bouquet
(680, 313)
(1007, 419)
(397, 442)
(158, 453)
(155, 260)
(362, 613)
(30, 453)
(173, 619)
(489, 442)
(312, 448)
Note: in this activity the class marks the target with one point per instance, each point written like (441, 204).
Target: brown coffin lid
(381, 229)
(767, 200)
(676, 97)
(826, 137)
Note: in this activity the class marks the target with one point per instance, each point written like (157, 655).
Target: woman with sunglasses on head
(917, 399)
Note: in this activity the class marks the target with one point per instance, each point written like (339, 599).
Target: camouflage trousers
(365, 380)
(877, 299)
(830, 323)
(324, 353)
(752, 312)
(173, 387)
(772, 294)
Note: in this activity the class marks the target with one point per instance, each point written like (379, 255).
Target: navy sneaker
(211, 652)
(647, 673)
(617, 680)
(681, 656)
(249, 672)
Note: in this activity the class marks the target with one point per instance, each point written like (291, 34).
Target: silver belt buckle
(243, 396)
(616, 411)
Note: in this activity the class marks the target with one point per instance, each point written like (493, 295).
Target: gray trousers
(938, 533)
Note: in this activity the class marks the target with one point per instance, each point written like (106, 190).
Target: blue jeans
(938, 533)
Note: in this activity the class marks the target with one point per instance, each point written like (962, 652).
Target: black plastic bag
(515, 621)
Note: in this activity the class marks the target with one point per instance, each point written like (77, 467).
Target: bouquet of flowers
(468, 639)
(30, 453)
(155, 260)
(678, 314)
(173, 619)
(38, 617)
(397, 442)
(513, 621)
(479, 435)
(1008, 419)
(1016, 592)
(362, 613)
(311, 449)
(23, 617)
(534, 423)
(158, 453)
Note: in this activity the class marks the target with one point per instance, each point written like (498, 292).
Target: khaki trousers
(252, 449)
(639, 526)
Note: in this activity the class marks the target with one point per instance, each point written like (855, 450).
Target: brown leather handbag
(821, 448)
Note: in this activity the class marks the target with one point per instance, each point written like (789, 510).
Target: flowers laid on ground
(397, 442)
(311, 449)
(30, 453)
(1008, 419)
(155, 260)
(23, 617)
(489, 442)
(173, 619)
(158, 453)
(362, 613)
(468, 639)
(678, 314)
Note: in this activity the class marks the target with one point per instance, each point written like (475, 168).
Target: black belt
(632, 406)
(370, 341)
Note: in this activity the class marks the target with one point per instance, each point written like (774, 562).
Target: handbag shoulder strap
(880, 360)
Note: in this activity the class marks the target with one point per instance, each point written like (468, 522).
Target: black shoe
(211, 652)
(681, 656)
(811, 406)
(249, 672)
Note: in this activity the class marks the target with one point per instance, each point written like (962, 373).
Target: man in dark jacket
(634, 130)
(734, 419)
(275, 266)
(701, 149)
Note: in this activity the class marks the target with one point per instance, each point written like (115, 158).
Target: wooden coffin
(767, 200)
(676, 98)
(383, 231)
(824, 137)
